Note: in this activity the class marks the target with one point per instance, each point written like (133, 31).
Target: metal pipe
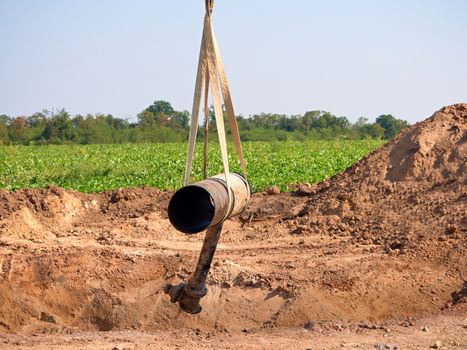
(188, 295)
(196, 207)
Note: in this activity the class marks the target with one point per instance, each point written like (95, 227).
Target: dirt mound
(383, 243)
(409, 195)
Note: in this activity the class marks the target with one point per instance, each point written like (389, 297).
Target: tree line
(160, 122)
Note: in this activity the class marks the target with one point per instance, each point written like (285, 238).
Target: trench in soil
(82, 268)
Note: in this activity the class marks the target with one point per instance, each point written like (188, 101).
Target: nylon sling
(211, 75)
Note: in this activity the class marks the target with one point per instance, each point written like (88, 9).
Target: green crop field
(94, 168)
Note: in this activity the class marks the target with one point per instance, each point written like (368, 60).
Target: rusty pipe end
(188, 298)
(175, 292)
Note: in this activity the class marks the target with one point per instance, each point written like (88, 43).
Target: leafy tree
(162, 119)
(373, 131)
(116, 123)
(87, 129)
(3, 134)
(362, 121)
(37, 119)
(146, 119)
(59, 128)
(4, 119)
(18, 132)
(307, 120)
(376, 131)
(243, 123)
(391, 125)
(160, 106)
(181, 119)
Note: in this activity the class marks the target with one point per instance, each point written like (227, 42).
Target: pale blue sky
(352, 58)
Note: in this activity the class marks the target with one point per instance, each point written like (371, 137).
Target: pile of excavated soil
(375, 248)
(409, 195)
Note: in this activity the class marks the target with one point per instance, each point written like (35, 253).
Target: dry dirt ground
(374, 258)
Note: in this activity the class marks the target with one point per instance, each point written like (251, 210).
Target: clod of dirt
(272, 190)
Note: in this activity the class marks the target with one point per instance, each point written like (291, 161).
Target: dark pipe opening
(191, 209)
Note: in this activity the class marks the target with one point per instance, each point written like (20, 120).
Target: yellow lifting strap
(211, 74)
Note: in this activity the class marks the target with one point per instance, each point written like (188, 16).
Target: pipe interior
(191, 209)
